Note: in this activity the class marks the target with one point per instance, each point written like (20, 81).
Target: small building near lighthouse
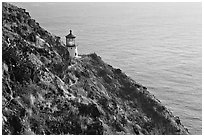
(70, 44)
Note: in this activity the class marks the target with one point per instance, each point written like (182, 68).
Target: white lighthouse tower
(70, 43)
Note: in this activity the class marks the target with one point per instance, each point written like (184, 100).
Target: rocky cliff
(45, 92)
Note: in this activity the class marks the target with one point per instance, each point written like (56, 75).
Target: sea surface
(157, 44)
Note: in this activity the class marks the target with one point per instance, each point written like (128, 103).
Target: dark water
(157, 44)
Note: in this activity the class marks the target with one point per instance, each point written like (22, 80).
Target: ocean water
(157, 44)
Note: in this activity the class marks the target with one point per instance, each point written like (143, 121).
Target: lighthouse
(70, 43)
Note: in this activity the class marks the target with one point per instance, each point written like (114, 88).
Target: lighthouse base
(73, 52)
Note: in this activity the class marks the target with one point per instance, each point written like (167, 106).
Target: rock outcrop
(45, 92)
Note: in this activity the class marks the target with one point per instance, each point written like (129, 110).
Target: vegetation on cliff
(45, 92)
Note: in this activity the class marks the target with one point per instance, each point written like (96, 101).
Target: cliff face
(44, 92)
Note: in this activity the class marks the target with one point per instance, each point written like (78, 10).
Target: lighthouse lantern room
(70, 43)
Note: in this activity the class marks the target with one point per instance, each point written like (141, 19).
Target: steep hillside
(46, 92)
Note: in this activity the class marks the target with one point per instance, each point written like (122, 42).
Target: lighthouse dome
(70, 35)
